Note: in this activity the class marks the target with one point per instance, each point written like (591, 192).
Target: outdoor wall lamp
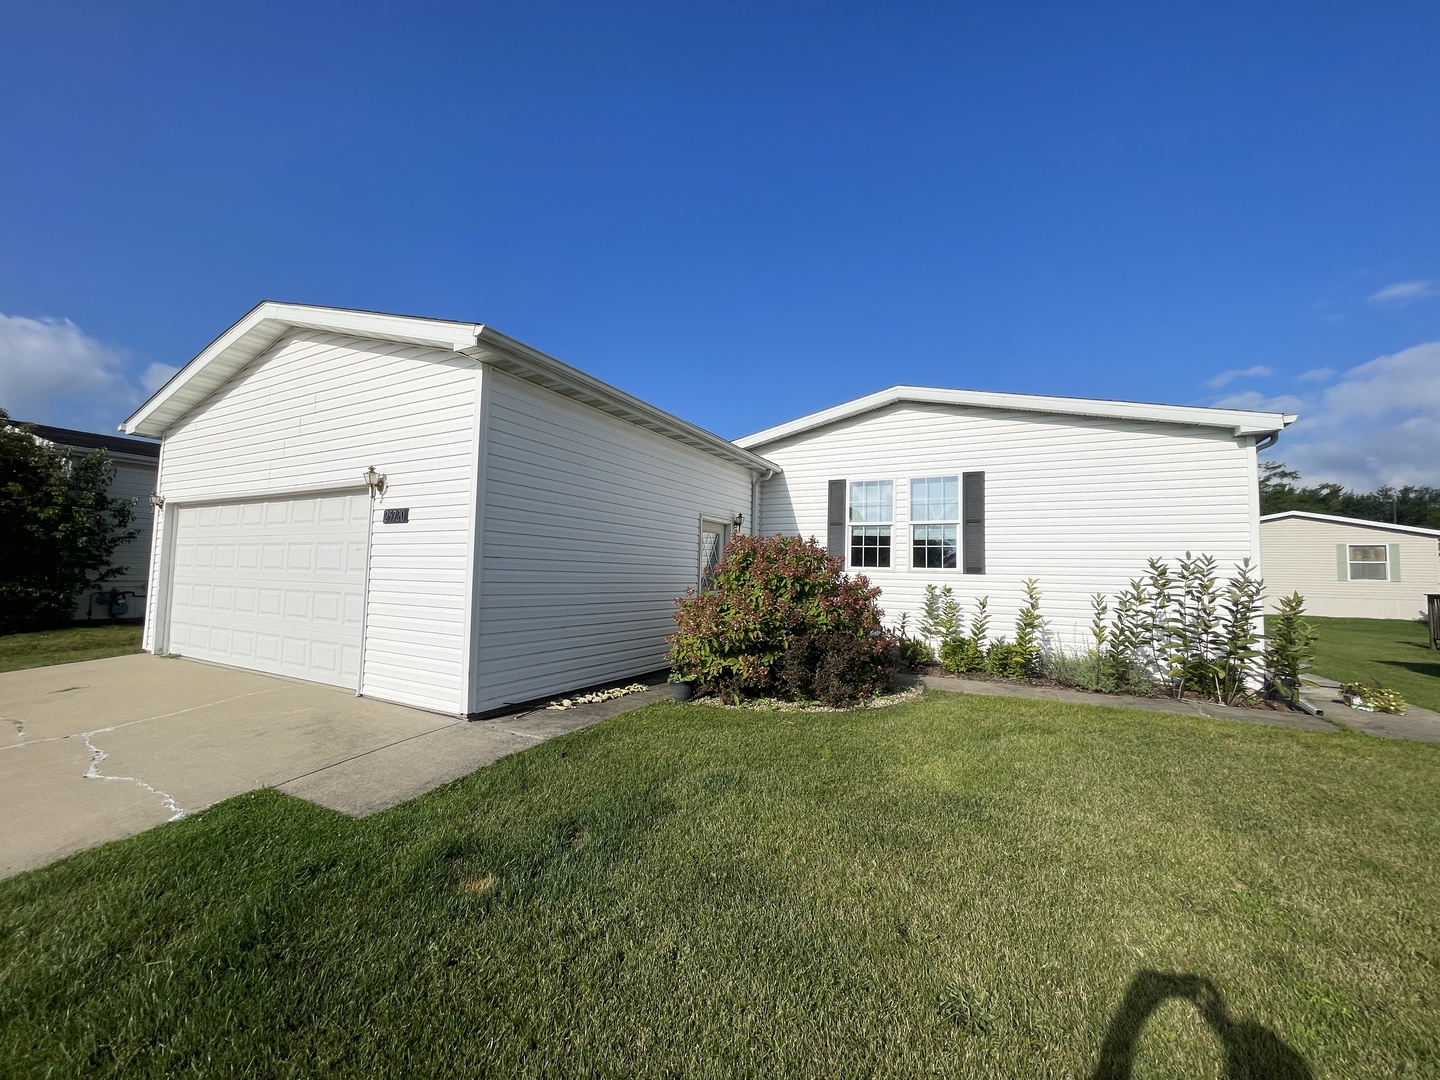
(157, 500)
(739, 520)
(374, 481)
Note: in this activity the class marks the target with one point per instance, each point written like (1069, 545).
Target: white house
(1349, 568)
(135, 461)
(916, 486)
(428, 512)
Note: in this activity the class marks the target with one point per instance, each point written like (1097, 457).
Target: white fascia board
(1335, 519)
(521, 360)
(1241, 422)
(264, 325)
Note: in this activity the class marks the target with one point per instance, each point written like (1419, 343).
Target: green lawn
(1394, 652)
(959, 886)
(66, 646)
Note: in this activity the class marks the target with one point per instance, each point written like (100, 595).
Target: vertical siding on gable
(313, 412)
(1079, 504)
(1300, 557)
(591, 529)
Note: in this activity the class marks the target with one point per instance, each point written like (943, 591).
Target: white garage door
(275, 586)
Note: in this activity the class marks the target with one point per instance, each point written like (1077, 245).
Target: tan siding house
(1347, 568)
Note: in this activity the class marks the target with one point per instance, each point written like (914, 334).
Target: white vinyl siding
(135, 480)
(1078, 503)
(310, 415)
(591, 529)
(1301, 556)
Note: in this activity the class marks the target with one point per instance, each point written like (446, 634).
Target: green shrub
(1289, 647)
(1000, 657)
(916, 654)
(962, 654)
(768, 592)
(1025, 654)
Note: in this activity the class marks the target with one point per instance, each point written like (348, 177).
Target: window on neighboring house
(1369, 562)
(872, 508)
(935, 517)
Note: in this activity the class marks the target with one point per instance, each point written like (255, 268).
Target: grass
(1393, 652)
(962, 885)
(47, 647)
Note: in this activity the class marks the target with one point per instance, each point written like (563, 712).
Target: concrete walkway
(1416, 725)
(104, 749)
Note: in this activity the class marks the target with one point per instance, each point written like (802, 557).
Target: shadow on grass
(1432, 670)
(1252, 1051)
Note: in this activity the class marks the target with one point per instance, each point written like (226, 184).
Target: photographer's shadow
(1252, 1051)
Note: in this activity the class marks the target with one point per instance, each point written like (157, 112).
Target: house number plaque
(400, 516)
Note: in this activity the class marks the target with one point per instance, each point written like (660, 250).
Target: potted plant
(682, 687)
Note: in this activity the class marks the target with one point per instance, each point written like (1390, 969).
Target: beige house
(1347, 568)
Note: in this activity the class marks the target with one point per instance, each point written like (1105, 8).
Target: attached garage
(276, 585)
(422, 511)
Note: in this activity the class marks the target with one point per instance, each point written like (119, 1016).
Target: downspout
(755, 482)
(1267, 442)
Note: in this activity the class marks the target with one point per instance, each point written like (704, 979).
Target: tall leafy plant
(1289, 648)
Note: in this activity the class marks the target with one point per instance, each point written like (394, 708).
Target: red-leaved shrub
(783, 619)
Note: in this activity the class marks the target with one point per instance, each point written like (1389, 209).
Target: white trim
(473, 564)
(1241, 422)
(371, 507)
(726, 528)
(1334, 519)
(302, 492)
(1252, 468)
(270, 321)
(1351, 561)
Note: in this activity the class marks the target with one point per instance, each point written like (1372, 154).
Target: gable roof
(271, 320)
(1335, 519)
(1239, 421)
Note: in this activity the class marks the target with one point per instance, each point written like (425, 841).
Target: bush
(962, 654)
(916, 654)
(60, 528)
(1000, 658)
(1289, 649)
(837, 669)
(782, 618)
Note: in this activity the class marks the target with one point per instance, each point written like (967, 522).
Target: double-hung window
(935, 522)
(1369, 562)
(872, 509)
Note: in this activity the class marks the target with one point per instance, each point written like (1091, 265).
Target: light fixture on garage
(157, 500)
(739, 520)
(374, 481)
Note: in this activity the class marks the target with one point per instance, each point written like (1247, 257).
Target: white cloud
(1319, 374)
(1259, 371)
(1403, 291)
(156, 376)
(52, 371)
(1378, 424)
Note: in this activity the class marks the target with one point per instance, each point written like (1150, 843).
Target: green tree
(58, 528)
(1280, 490)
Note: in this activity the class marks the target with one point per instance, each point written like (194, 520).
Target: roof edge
(1336, 519)
(1241, 422)
(531, 364)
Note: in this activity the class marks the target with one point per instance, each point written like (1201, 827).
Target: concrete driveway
(104, 749)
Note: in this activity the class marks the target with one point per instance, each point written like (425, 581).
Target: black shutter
(974, 522)
(835, 537)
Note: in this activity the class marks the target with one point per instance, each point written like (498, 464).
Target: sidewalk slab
(1272, 718)
(1415, 725)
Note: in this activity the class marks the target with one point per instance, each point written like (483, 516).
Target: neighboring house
(432, 513)
(1347, 568)
(916, 486)
(525, 532)
(122, 597)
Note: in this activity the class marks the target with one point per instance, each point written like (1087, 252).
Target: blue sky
(744, 212)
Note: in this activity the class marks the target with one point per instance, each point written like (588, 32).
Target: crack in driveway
(93, 773)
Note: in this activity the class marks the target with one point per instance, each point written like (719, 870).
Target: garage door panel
(276, 585)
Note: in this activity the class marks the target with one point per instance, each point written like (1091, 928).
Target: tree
(59, 528)
(1409, 505)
